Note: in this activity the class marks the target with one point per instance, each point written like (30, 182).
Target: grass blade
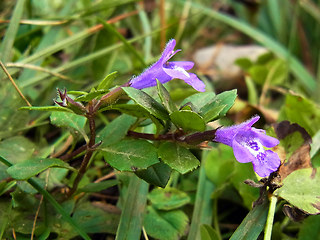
(202, 212)
(305, 78)
(81, 61)
(53, 202)
(130, 225)
(253, 224)
(122, 39)
(8, 41)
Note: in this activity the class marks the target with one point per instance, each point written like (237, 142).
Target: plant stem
(195, 138)
(269, 224)
(90, 149)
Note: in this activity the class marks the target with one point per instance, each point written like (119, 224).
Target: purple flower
(248, 146)
(165, 71)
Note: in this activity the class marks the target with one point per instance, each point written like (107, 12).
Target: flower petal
(266, 140)
(270, 164)
(195, 82)
(168, 51)
(241, 153)
(186, 65)
(149, 76)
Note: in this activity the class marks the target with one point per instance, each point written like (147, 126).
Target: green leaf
(264, 58)
(178, 157)
(243, 63)
(302, 189)
(33, 166)
(214, 113)
(130, 155)
(107, 81)
(168, 198)
(278, 71)
(93, 219)
(16, 149)
(242, 172)
(208, 233)
(116, 130)
(47, 108)
(147, 102)
(164, 225)
(69, 120)
(258, 73)
(303, 111)
(165, 98)
(220, 105)
(219, 165)
(188, 120)
(310, 228)
(157, 174)
(199, 100)
(130, 109)
(97, 187)
(253, 224)
(91, 95)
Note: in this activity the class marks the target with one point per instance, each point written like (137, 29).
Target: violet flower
(248, 146)
(165, 71)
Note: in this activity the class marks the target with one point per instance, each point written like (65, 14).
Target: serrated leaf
(178, 157)
(69, 120)
(47, 109)
(107, 81)
(33, 166)
(164, 225)
(302, 189)
(116, 130)
(157, 174)
(220, 104)
(97, 187)
(188, 120)
(147, 102)
(165, 98)
(168, 198)
(130, 155)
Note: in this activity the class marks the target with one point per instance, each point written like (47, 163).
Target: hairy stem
(90, 149)
(193, 139)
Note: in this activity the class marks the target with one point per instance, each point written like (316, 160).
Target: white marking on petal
(180, 69)
(255, 148)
